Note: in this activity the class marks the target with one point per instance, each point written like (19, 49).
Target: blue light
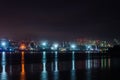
(52, 48)
(73, 46)
(56, 66)
(3, 58)
(89, 47)
(73, 61)
(44, 43)
(55, 45)
(3, 73)
(44, 67)
(56, 62)
(44, 61)
(3, 43)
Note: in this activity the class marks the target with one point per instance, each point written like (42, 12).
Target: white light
(73, 61)
(44, 61)
(44, 43)
(55, 45)
(44, 67)
(73, 46)
(3, 43)
(56, 66)
(3, 58)
(89, 47)
(52, 48)
(56, 62)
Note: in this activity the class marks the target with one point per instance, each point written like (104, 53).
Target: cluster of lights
(89, 47)
(55, 46)
(73, 46)
(5, 45)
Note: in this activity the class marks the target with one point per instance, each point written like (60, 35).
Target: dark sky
(59, 20)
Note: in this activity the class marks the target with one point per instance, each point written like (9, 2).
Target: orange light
(23, 76)
(22, 47)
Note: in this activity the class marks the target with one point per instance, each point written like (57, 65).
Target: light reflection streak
(73, 60)
(88, 74)
(56, 61)
(44, 74)
(95, 63)
(56, 75)
(3, 63)
(105, 62)
(3, 58)
(73, 75)
(23, 76)
(44, 61)
(73, 72)
(88, 67)
(88, 62)
(54, 66)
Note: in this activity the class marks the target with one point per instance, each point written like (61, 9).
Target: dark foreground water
(58, 66)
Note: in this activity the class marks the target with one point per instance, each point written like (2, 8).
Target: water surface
(50, 66)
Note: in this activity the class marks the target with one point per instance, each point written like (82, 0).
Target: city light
(3, 43)
(83, 46)
(55, 46)
(89, 47)
(73, 46)
(44, 43)
(22, 47)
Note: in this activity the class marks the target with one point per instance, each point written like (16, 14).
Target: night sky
(59, 20)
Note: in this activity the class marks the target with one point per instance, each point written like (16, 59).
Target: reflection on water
(88, 74)
(97, 63)
(56, 61)
(105, 63)
(3, 63)
(73, 72)
(55, 75)
(23, 76)
(44, 62)
(73, 75)
(73, 60)
(3, 59)
(89, 65)
(56, 72)
(54, 67)
(44, 74)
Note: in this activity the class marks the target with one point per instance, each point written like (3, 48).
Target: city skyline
(59, 20)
